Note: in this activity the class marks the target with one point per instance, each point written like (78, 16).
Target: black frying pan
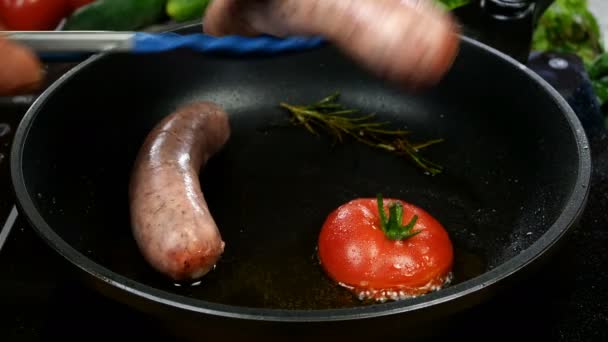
(515, 181)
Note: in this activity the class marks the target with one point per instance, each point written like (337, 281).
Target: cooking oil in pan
(261, 272)
(292, 281)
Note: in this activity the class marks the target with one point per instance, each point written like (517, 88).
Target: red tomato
(32, 15)
(76, 4)
(355, 251)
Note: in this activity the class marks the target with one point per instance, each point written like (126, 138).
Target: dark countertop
(566, 301)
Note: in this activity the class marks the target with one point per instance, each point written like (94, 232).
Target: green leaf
(598, 73)
(599, 68)
(452, 4)
(568, 26)
(601, 89)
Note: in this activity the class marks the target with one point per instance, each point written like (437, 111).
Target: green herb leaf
(599, 68)
(601, 89)
(339, 122)
(568, 26)
(598, 73)
(393, 227)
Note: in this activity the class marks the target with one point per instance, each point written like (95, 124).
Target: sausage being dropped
(411, 42)
(171, 222)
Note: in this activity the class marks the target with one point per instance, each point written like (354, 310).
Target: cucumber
(184, 10)
(116, 15)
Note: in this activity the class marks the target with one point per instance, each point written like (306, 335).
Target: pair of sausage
(407, 41)
(410, 42)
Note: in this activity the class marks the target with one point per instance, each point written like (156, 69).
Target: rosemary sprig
(338, 121)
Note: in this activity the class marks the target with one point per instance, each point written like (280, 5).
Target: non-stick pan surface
(516, 173)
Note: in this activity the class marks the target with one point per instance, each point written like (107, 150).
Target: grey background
(600, 10)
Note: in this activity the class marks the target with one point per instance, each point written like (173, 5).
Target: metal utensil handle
(72, 41)
(67, 42)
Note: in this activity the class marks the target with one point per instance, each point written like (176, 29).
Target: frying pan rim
(569, 215)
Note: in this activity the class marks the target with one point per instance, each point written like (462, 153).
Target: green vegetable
(392, 227)
(601, 89)
(568, 26)
(184, 10)
(598, 72)
(336, 120)
(452, 4)
(599, 68)
(116, 15)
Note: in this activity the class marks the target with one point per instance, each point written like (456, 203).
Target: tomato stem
(392, 227)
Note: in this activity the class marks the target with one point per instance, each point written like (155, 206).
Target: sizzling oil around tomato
(383, 295)
(296, 281)
(251, 275)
